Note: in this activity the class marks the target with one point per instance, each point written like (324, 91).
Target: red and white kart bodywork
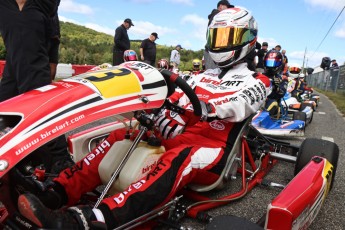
(38, 116)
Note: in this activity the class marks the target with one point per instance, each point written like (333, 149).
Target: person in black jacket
(121, 41)
(55, 35)
(25, 28)
(148, 49)
(261, 55)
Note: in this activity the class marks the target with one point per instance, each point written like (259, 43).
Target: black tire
(311, 118)
(311, 147)
(299, 116)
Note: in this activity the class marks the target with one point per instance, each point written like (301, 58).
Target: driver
(273, 65)
(194, 154)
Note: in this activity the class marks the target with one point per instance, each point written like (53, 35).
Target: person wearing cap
(121, 41)
(278, 48)
(148, 49)
(260, 58)
(334, 64)
(221, 5)
(175, 57)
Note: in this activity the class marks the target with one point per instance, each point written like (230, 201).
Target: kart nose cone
(3, 165)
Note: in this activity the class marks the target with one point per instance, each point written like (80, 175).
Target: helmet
(294, 71)
(163, 64)
(196, 64)
(130, 55)
(273, 62)
(231, 36)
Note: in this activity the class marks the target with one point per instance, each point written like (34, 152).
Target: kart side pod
(299, 203)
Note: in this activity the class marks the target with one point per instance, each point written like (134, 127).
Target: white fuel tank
(142, 160)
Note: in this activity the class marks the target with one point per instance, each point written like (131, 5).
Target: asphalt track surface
(327, 124)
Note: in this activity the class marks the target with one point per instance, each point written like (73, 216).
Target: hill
(81, 45)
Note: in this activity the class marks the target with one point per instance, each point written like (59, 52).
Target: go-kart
(131, 93)
(293, 105)
(286, 123)
(308, 96)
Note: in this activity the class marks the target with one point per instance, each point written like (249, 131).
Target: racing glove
(208, 110)
(171, 123)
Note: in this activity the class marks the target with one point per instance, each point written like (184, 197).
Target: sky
(307, 29)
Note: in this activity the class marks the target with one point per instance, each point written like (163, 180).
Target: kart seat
(234, 150)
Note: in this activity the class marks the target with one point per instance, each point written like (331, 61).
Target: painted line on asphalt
(327, 138)
(323, 113)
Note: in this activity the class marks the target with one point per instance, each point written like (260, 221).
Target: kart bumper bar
(284, 157)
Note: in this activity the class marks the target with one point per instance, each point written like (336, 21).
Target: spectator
(285, 61)
(53, 50)
(251, 62)
(175, 57)
(278, 48)
(26, 32)
(221, 5)
(334, 64)
(121, 41)
(196, 155)
(148, 49)
(261, 55)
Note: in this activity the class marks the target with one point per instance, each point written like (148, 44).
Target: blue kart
(287, 124)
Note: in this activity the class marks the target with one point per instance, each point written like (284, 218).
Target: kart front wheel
(311, 147)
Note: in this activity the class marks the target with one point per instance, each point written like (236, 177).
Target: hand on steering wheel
(171, 123)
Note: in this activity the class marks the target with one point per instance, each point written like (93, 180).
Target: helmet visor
(229, 37)
(271, 63)
(294, 70)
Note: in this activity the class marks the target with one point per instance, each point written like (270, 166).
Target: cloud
(335, 5)
(143, 29)
(198, 24)
(141, 1)
(312, 59)
(184, 2)
(71, 6)
(340, 33)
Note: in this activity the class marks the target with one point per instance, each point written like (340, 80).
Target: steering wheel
(173, 79)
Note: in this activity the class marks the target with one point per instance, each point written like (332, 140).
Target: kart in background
(308, 96)
(128, 92)
(287, 124)
(293, 105)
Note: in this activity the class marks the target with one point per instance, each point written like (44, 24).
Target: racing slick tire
(311, 147)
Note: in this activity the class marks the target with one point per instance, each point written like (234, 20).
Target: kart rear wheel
(311, 147)
(300, 116)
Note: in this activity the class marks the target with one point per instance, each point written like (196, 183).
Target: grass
(337, 98)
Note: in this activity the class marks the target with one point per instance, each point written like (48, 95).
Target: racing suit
(295, 88)
(198, 155)
(279, 88)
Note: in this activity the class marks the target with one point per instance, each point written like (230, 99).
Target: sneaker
(72, 218)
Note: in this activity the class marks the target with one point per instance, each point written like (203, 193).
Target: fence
(328, 80)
